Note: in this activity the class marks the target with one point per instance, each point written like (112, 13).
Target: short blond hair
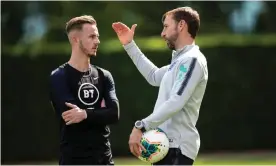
(77, 22)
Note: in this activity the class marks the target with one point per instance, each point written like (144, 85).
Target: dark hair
(189, 15)
(77, 22)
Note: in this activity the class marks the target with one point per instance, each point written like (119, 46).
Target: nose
(163, 34)
(98, 41)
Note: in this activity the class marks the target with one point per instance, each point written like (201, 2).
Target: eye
(94, 36)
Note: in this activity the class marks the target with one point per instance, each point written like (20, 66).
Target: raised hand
(125, 35)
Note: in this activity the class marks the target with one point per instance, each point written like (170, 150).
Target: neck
(79, 61)
(184, 42)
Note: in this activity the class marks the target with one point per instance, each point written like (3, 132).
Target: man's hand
(135, 145)
(124, 34)
(74, 115)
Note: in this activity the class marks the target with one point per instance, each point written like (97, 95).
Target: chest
(168, 78)
(87, 89)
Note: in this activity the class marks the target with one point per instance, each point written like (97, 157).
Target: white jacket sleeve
(189, 74)
(152, 73)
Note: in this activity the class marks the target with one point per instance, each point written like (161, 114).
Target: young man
(182, 85)
(84, 98)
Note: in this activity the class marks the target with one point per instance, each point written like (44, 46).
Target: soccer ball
(156, 144)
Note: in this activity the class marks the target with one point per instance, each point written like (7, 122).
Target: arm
(151, 73)
(110, 114)
(60, 94)
(188, 76)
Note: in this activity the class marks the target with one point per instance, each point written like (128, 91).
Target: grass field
(204, 159)
(218, 159)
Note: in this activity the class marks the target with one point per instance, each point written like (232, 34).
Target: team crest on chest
(88, 93)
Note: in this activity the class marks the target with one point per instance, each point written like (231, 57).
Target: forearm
(143, 64)
(104, 116)
(163, 112)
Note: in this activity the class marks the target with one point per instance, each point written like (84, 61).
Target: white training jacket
(181, 89)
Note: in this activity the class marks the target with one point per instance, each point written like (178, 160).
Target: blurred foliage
(145, 44)
(214, 17)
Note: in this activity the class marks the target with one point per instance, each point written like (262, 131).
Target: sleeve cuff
(146, 125)
(129, 45)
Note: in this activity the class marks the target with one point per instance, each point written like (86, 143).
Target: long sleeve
(60, 93)
(111, 113)
(151, 73)
(189, 73)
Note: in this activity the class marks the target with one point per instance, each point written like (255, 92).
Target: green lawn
(203, 159)
(217, 159)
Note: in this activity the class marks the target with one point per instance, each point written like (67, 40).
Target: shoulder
(193, 60)
(105, 72)
(108, 79)
(187, 61)
(193, 57)
(59, 72)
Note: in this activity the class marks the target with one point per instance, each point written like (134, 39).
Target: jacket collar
(178, 52)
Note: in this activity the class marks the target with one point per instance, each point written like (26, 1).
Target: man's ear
(182, 24)
(73, 37)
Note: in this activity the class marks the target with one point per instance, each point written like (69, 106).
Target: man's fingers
(69, 122)
(142, 147)
(67, 116)
(131, 149)
(70, 105)
(66, 113)
(66, 119)
(137, 150)
(133, 28)
(120, 25)
(116, 26)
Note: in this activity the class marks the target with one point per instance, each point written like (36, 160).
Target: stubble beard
(172, 39)
(85, 51)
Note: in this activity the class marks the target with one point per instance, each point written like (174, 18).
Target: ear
(182, 24)
(75, 39)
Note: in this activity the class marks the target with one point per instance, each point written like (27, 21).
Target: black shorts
(175, 157)
(92, 160)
